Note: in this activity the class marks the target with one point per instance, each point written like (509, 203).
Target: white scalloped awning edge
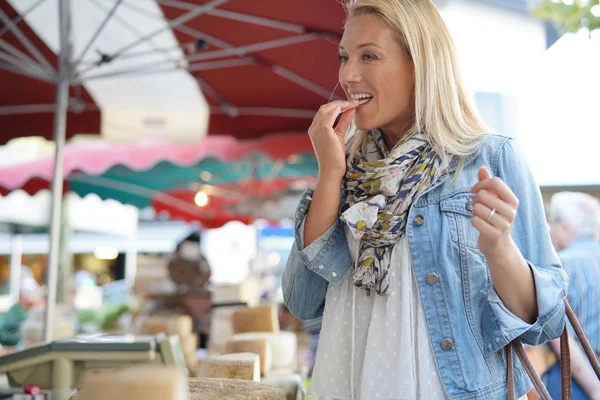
(89, 214)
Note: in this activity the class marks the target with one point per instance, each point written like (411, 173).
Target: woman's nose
(349, 73)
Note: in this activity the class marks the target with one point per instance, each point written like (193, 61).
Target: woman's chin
(364, 124)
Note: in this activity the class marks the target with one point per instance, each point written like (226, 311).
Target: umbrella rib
(211, 65)
(300, 81)
(16, 52)
(162, 67)
(178, 21)
(212, 92)
(243, 50)
(39, 108)
(21, 17)
(25, 41)
(243, 17)
(183, 28)
(285, 73)
(251, 19)
(270, 111)
(99, 30)
(32, 67)
(20, 71)
(131, 29)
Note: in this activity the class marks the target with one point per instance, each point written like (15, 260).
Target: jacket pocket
(473, 269)
(458, 210)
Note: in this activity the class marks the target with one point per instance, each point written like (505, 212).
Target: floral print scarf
(380, 186)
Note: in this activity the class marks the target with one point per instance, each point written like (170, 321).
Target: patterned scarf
(381, 185)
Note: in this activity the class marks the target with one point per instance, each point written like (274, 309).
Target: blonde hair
(442, 110)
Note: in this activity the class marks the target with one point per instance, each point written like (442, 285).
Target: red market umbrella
(263, 65)
(28, 95)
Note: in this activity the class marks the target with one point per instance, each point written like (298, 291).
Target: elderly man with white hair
(575, 230)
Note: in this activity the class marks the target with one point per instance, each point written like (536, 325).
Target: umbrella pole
(15, 267)
(60, 127)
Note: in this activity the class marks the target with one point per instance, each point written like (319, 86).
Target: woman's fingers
(491, 201)
(498, 188)
(345, 122)
(329, 112)
(490, 217)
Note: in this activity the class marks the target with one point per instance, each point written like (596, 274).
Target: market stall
(20, 212)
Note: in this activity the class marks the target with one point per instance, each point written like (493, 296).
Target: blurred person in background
(575, 230)
(313, 328)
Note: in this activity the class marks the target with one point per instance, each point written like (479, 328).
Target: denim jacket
(469, 325)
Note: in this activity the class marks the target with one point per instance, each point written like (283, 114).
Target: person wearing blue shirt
(575, 229)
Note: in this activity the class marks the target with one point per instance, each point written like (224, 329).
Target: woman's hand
(328, 141)
(494, 211)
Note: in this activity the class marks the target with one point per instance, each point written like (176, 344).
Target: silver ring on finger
(491, 215)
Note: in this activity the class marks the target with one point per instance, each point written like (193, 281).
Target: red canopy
(267, 65)
(264, 66)
(96, 157)
(31, 99)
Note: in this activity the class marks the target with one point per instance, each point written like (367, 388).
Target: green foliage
(105, 317)
(10, 328)
(569, 17)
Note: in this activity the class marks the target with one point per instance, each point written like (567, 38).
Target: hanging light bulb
(201, 199)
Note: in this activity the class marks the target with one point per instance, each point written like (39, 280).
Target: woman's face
(374, 64)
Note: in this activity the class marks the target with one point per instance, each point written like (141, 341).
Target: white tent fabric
(90, 214)
(136, 101)
(559, 123)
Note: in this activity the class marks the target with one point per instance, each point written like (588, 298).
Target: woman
(434, 254)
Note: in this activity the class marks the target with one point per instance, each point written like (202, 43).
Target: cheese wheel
(189, 345)
(232, 389)
(237, 366)
(284, 347)
(140, 382)
(245, 292)
(257, 319)
(221, 328)
(180, 325)
(259, 346)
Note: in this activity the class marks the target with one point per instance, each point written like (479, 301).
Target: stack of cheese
(255, 331)
(141, 382)
(246, 292)
(163, 383)
(180, 325)
(221, 328)
(229, 389)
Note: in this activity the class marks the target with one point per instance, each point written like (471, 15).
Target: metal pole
(60, 128)
(131, 258)
(15, 267)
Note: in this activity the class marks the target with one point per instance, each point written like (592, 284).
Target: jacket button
(432, 278)
(334, 274)
(469, 205)
(447, 344)
(419, 220)
(321, 266)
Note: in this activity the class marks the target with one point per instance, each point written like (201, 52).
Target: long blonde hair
(442, 109)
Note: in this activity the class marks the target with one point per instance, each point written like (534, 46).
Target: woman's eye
(368, 57)
(342, 58)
